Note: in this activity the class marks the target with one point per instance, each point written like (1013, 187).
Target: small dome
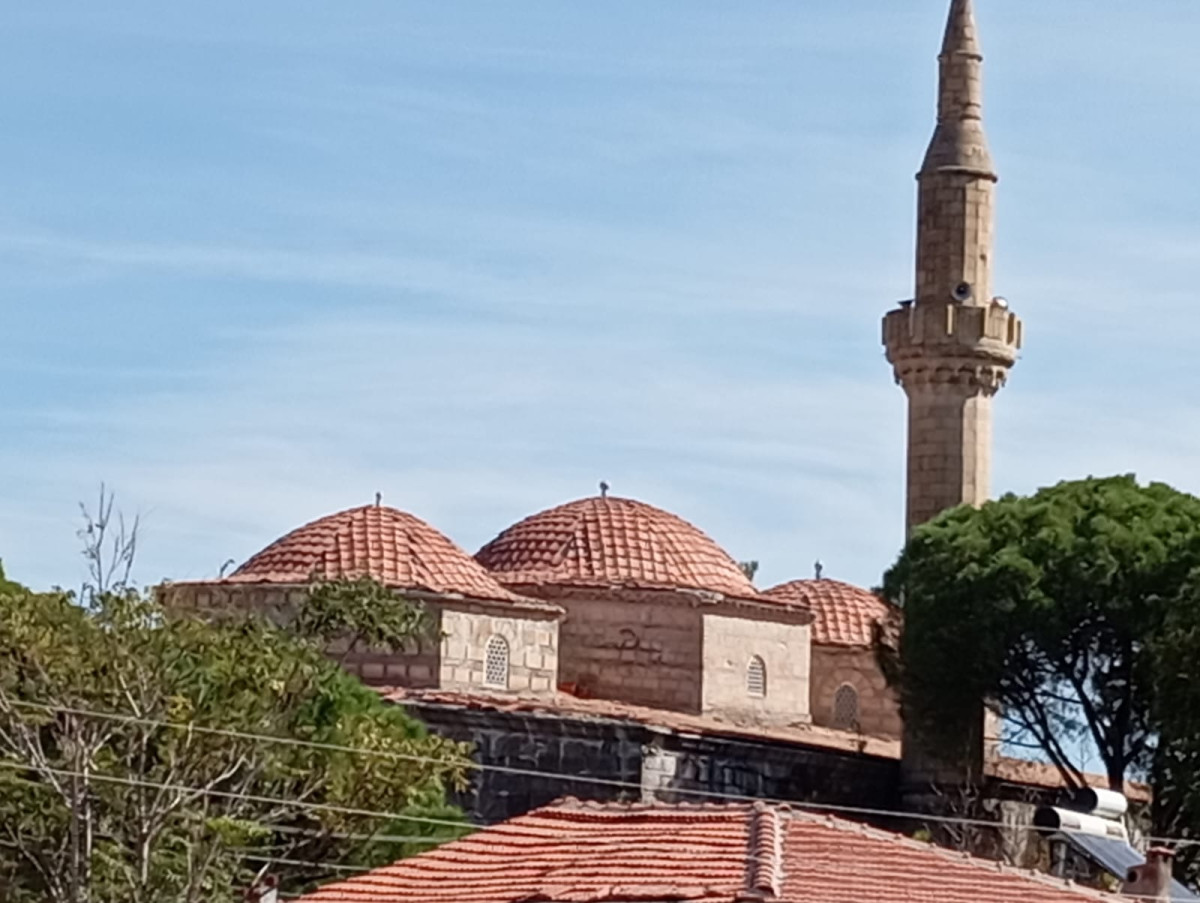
(392, 546)
(604, 541)
(843, 614)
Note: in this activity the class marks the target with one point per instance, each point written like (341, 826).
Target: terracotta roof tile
(392, 546)
(1042, 774)
(843, 614)
(589, 853)
(611, 541)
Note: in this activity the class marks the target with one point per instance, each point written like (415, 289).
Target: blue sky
(260, 261)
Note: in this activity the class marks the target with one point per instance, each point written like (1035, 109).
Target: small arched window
(495, 667)
(845, 708)
(756, 677)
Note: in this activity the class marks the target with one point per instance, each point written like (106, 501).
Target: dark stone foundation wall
(644, 763)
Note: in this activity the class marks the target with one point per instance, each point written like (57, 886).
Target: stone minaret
(952, 346)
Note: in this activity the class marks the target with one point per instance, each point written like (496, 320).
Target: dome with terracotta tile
(843, 614)
(605, 541)
(394, 547)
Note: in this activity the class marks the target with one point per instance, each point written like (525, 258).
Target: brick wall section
(878, 708)
(417, 666)
(532, 644)
(729, 645)
(452, 657)
(644, 651)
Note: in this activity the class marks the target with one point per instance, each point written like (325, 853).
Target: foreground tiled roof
(392, 546)
(564, 705)
(843, 614)
(573, 852)
(601, 541)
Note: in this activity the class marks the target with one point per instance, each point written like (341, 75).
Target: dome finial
(603, 489)
(819, 568)
(378, 499)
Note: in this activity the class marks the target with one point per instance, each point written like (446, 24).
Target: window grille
(845, 708)
(756, 677)
(495, 671)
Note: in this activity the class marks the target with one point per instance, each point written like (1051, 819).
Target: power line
(983, 863)
(306, 863)
(552, 775)
(317, 833)
(226, 794)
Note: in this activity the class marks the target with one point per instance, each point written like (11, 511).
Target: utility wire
(306, 863)
(317, 833)
(226, 794)
(358, 870)
(559, 776)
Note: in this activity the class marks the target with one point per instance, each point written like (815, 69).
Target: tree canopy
(133, 764)
(1176, 772)
(1054, 608)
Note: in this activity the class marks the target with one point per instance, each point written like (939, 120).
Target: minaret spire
(959, 139)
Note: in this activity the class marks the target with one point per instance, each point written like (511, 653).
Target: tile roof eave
(669, 592)
(564, 707)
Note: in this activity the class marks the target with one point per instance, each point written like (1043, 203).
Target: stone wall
(837, 666)
(645, 651)
(588, 759)
(453, 655)
(417, 666)
(612, 759)
(730, 644)
(532, 647)
(700, 768)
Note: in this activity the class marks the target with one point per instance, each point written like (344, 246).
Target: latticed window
(495, 670)
(756, 677)
(845, 707)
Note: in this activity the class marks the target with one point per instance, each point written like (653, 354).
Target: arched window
(495, 668)
(845, 708)
(756, 677)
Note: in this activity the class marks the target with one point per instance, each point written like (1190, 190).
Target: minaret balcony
(955, 342)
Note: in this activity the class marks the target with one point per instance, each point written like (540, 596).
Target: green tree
(1176, 772)
(177, 802)
(1048, 607)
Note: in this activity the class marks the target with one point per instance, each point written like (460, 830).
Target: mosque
(608, 649)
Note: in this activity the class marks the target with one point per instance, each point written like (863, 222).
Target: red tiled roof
(392, 546)
(564, 705)
(843, 614)
(1042, 774)
(573, 852)
(605, 541)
